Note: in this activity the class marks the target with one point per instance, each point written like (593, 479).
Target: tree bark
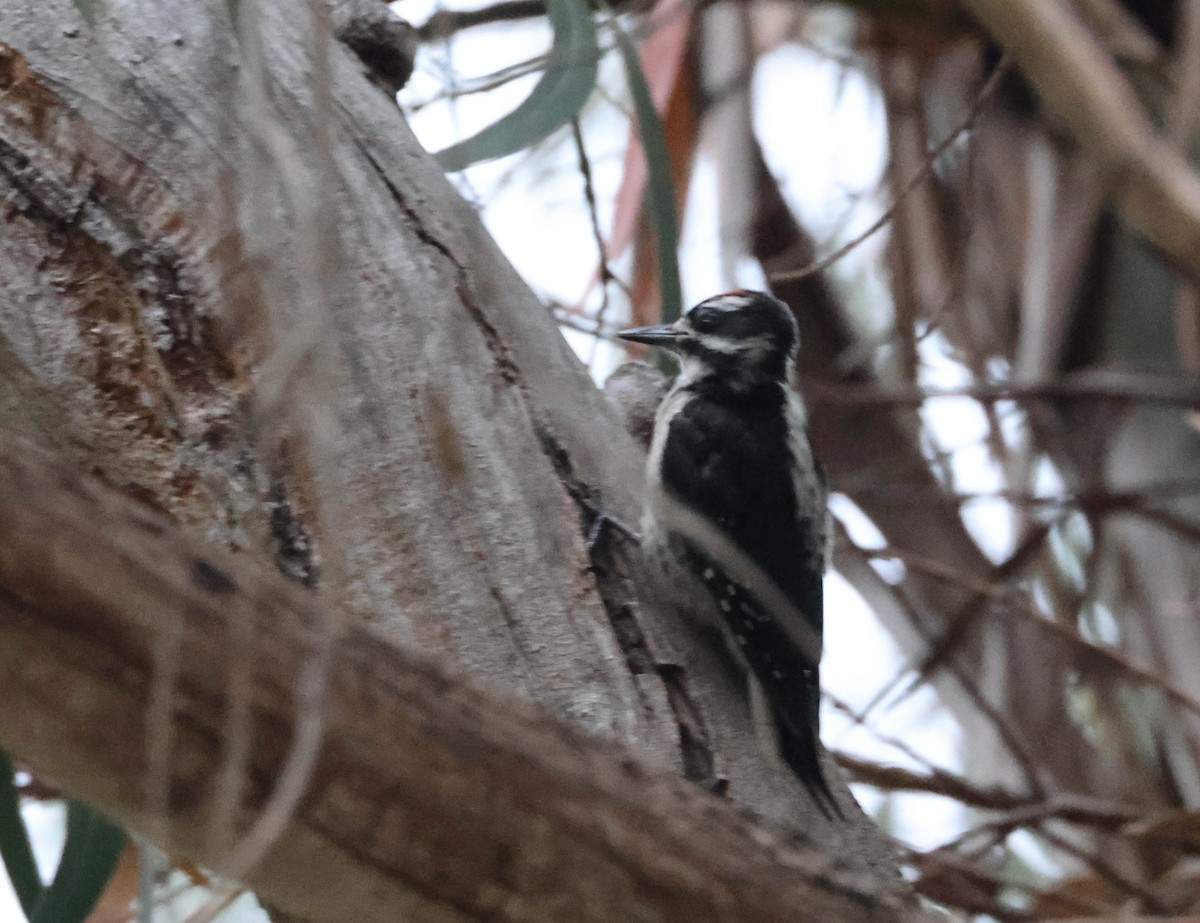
(432, 799)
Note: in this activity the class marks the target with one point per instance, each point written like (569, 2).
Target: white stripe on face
(731, 302)
(719, 344)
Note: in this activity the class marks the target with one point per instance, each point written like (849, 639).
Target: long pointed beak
(659, 335)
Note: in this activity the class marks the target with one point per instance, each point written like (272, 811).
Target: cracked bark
(471, 431)
(432, 801)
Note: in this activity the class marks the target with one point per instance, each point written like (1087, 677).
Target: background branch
(1155, 189)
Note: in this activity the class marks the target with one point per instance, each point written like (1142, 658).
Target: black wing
(731, 462)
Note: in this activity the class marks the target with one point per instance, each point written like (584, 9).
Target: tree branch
(1156, 190)
(432, 800)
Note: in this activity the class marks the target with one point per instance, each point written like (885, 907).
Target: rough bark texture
(458, 438)
(469, 430)
(432, 800)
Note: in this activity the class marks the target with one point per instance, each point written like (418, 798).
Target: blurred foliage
(15, 848)
(661, 203)
(88, 861)
(566, 84)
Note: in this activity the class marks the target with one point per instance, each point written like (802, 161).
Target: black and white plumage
(736, 510)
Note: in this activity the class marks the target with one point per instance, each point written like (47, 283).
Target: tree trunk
(145, 247)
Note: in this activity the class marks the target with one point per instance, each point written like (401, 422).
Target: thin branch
(969, 885)
(484, 84)
(1106, 870)
(895, 743)
(1155, 189)
(293, 388)
(1007, 734)
(960, 622)
(1017, 605)
(445, 23)
(818, 266)
(564, 316)
(1184, 111)
(589, 193)
(1073, 809)
(1080, 386)
(1096, 500)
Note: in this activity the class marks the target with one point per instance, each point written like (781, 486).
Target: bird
(735, 525)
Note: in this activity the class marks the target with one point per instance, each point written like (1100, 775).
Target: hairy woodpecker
(735, 519)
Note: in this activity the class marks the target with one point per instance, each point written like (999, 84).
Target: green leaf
(568, 81)
(661, 190)
(88, 862)
(15, 849)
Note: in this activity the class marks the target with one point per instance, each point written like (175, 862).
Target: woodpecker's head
(744, 337)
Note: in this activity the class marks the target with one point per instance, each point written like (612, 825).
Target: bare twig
(293, 399)
(819, 266)
(961, 622)
(1185, 105)
(566, 317)
(445, 23)
(1105, 869)
(589, 194)
(485, 84)
(1015, 603)
(1009, 736)
(1120, 30)
(900, 746)
(1094, 500)
(968, 884)
(1080, 386)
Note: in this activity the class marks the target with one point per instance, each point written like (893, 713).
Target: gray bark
(432, 800)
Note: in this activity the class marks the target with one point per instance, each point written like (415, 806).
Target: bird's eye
(704, 321)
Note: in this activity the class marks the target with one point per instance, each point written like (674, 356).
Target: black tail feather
(800, 750)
